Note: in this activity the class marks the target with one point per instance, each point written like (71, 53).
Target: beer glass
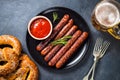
(106, 17)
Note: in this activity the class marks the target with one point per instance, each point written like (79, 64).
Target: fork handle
(92, 77)
(88, 74)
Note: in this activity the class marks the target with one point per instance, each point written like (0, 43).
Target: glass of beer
(106, 17)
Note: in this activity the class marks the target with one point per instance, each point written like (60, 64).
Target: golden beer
(106, 17)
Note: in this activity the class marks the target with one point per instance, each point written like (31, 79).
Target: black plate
(78, 20)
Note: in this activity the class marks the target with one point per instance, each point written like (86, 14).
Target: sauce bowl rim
(35, 18)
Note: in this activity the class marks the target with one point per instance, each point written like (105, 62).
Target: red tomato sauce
(40, 28)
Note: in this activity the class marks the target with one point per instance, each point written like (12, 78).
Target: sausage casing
(71, 51)
(57, 47)
(62, 51)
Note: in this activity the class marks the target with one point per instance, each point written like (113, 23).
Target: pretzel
(2, 78)
(12, 41)
(13, 64)
(8, 55)
(27, 70)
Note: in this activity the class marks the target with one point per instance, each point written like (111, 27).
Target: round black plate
(78, 20)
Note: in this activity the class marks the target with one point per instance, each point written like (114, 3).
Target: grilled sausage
(62, 51)
(56, 30)
(71, 51)
(60, 34)
(57, 47)
(65, 29)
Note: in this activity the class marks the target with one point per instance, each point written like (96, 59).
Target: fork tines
(98, 44)
(106, 44)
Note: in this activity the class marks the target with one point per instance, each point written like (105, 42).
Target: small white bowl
(35, 18)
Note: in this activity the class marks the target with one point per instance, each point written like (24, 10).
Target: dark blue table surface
(15, 15)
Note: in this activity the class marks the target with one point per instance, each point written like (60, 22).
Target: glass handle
(115, 31)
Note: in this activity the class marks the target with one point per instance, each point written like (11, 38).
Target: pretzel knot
(26, 70)
(30, 66)
(11, 41)
(9, 55)
(13, 64)
(9, 60)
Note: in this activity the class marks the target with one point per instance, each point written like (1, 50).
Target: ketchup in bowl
(40, 27)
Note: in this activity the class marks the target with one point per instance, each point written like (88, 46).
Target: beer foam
(107, 14)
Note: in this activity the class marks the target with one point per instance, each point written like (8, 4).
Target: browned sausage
(72, 30)
(60, 34)
(62, 51)
(56, 30)
(57, 47)
(65, 29)
(71, 51)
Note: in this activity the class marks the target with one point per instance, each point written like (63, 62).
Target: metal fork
(98, 52)
(96, 49)
(104, 47)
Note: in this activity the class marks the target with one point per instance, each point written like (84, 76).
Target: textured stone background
(15, 14)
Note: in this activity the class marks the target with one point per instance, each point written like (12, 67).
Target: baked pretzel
(26, 70)
(13, 64)
(2, 78)
(10, 60)
(12, 41)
